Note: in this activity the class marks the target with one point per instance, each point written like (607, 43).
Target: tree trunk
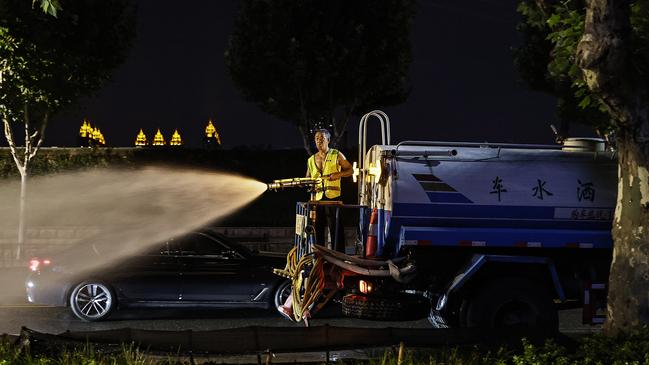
(628, 298)
(603, 55)
(33, 142)
(21, 216)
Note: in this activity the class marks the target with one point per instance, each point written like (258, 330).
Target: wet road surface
(56, 320)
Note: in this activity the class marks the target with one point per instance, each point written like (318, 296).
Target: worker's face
(321, 141)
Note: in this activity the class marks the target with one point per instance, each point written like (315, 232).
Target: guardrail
(255, 339)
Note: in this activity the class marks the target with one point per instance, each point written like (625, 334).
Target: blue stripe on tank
(475, 211)
(506, 237)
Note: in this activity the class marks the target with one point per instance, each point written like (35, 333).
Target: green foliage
(48, 62)
(66, 159)
(304, 60)
(51, 7)
(551, 32)
(86, 355)
(548, 353)
(546, 60)
(629, 349)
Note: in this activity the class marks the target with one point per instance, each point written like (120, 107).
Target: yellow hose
(313, 285)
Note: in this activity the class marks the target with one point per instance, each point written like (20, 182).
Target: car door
(213, 272)
(149, 276)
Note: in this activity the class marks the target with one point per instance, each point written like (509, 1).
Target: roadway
(56, 320)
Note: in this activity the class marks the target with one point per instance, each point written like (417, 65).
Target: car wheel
(282, 293)
(92, 301)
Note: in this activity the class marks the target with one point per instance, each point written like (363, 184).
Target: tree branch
(602, 54)
(12, 145)
(41, 135)
(28, 145)
(342, 128)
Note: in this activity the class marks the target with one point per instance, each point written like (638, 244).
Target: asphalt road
(56, 320)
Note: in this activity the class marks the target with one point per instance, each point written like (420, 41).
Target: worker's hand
(334, 176)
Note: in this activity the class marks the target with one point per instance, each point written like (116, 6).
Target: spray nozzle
(297, 182)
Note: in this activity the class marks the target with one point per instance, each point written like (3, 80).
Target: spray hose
(305, 288)
(308, 277)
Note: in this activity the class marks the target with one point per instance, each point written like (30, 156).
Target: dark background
(464, 84)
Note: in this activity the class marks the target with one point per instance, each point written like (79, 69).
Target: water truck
(468, 234)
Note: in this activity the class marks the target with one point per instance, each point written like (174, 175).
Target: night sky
(464, 84)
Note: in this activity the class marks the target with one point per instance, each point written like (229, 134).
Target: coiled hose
(305, 290)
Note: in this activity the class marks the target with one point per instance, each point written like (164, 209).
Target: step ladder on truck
(468, 234)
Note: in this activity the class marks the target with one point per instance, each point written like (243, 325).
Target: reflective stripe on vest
(330, 165)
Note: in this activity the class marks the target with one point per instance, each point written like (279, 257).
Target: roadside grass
(11, 354)
(631, 348)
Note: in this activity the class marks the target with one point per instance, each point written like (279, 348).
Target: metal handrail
(362, 143)
(479, 145)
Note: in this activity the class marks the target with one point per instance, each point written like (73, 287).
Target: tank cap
(583, 144)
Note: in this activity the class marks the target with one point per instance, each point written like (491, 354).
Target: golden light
(356, 172)
(159, 139)
(96, 134)
(365, 287)
(176, 140)
(212, 133)
(218, 137)
(101, 139)
(210, 130)
(140, 140)
(375, 171)
(85, 130)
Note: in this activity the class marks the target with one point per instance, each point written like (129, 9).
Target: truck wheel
(396, 309)
(512, 302)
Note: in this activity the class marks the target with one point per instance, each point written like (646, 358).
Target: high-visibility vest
(330, 165)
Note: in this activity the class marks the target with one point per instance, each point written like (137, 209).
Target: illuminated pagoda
(176, 140)
(159, 139)
(98, 137)
(140, 140)
(212, 138)
(85, 134)
(90, 136)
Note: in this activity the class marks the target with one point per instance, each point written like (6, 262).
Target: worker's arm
(346, 168)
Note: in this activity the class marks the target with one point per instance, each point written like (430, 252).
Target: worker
(331, 165)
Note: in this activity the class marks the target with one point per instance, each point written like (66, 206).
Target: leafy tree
(594, 55)
(318, 62)
(48, 62)
(51, 7)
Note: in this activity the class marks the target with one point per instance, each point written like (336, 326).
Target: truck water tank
(493, 195)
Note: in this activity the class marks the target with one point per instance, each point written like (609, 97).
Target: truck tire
(385, 309)
(511, 302)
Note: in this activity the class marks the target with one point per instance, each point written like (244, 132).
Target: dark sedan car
(200, 269)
